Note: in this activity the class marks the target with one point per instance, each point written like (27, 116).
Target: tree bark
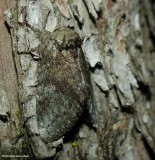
(9, 106)
(118, 44)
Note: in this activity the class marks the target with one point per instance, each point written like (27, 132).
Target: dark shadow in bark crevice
(148, 149)
(7, 27)
(145, 90)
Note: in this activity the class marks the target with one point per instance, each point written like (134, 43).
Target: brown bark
(9, 107)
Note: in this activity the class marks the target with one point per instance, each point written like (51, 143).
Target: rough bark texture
(118, 43)
(9, 106)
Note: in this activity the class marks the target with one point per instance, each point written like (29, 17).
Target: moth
(63, 83)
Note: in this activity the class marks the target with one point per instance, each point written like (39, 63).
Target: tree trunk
(9, 106)
(85, 72)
